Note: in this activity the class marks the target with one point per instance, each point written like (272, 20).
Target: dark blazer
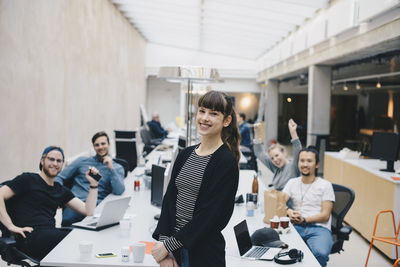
(202, 236)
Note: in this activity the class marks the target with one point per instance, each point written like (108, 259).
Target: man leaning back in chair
(28, 204)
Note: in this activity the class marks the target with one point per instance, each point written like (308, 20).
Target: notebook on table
(246, 248)
(113, 211)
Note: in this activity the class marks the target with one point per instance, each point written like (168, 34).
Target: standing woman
(276, 160)
(200, 197)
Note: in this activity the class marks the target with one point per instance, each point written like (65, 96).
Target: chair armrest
(344, 232)
(7, 242)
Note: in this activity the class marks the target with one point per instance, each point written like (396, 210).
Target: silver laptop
(246, 248)
(113, 211)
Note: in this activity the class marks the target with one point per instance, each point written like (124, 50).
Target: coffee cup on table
(284, 222)
(139, 250)
(85, 250)
(274, 222)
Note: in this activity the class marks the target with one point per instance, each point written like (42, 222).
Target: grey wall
(67, 70)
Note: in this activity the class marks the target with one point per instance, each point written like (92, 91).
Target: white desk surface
(66, 253)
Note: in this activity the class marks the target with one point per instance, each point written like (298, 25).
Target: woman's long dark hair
(221, 102)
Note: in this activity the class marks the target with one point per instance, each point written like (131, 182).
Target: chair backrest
(124, 164)
(125, 147)
(344, 198)
(146, 136)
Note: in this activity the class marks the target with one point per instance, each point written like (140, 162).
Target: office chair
(9, 251)
(344, 198)
(393, 240)
(149, 142)
(124, 164)
(125, 147)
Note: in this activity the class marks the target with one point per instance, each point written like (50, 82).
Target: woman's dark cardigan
(202, 236)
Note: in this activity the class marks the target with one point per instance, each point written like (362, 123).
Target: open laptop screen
(242, 237)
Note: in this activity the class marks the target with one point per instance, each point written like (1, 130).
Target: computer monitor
(157, 185)
(168, 171)
(385, 146)
(181, 143)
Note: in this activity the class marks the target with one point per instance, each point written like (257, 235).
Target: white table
(66, 253)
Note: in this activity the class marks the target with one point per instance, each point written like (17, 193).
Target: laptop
(113, 211)
(246, 248)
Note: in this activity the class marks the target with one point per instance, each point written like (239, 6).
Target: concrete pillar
(271, 112)
(319, 102)
(319, 106)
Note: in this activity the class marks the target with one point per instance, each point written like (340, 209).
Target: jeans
(184, 258)
(318, 239)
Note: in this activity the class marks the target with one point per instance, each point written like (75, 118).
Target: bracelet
(93, 187)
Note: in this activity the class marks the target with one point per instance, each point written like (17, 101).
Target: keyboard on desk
(257, 252)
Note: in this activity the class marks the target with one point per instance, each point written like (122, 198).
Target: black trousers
(41, 241)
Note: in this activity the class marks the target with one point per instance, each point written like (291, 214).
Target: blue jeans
(184, 258)
(318, 239)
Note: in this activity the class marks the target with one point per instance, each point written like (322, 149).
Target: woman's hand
(257, 131)
(168, 262)
(159, 252)
(293, 129)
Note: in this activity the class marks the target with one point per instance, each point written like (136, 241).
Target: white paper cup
(125, 254)
(85, 250)
(139, 250)
(124, 228)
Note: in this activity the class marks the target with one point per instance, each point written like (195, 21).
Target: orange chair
(396, 263)
(394, 240)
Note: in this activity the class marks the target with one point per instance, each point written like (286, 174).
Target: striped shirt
(188, 182)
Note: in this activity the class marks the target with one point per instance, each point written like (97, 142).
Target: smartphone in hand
(97, 176)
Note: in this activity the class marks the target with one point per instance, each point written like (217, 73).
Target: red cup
(136, 185)
(284, 222)
(274, 224)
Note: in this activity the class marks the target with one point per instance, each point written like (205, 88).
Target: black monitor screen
(181, 142)
(385, 146)
(157, 185)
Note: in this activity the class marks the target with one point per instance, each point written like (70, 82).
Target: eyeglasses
(59, 161)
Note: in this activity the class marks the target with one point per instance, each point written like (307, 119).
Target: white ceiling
(244, 29)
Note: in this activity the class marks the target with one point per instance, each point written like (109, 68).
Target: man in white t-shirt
(313, 199)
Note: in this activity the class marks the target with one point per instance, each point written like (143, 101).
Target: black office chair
(124, 164)
(9, 251)
(125, 147)
(149, 142)
(344, 198)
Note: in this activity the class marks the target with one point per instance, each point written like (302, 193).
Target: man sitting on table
(313, 199)
(32, 201)
(112, 180)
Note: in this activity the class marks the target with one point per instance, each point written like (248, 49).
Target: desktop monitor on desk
(385, 146)
(157, 185)
(181, 143)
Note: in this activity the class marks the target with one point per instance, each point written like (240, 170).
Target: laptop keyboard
(257, 252)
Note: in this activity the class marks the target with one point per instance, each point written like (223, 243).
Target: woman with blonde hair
(276, 160)
(200, 197)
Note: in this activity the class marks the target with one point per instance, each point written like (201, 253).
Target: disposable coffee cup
(274, 223)
(139, 250)
(124, 227)
(85, 250)
(284, 222)
(125, 254)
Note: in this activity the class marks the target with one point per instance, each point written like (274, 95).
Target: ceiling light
(345, 87)
(378, 85)
(358, 87)
(289, 99)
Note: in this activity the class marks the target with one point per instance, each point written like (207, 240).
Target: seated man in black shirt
(32, 201)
